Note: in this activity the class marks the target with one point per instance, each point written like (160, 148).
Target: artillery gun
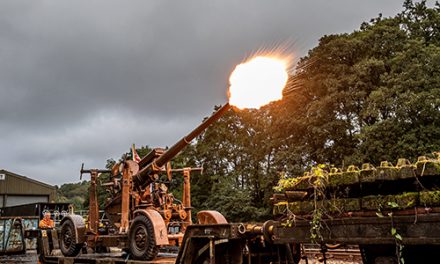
(143, 214)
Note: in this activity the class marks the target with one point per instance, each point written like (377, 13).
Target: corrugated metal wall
(16, 189)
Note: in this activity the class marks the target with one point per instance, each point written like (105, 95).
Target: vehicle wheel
(68, 238)
(141, 239)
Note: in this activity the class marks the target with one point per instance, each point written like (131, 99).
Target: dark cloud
(81, 80)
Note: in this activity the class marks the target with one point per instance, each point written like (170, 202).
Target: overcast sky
(80, 81)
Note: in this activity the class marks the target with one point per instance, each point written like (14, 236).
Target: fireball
(257, 82)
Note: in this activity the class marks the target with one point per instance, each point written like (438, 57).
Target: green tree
(370, 95)
(73, 193)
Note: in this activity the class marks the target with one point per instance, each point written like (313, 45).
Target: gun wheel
(141, 239)
(68, 238)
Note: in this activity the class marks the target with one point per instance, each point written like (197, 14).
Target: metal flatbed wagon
(275, 242)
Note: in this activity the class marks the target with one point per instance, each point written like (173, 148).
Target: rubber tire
(70, 249)
(149, 250)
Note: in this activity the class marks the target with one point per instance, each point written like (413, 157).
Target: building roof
(3, 171)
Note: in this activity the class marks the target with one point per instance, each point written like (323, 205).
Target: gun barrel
(177, 147)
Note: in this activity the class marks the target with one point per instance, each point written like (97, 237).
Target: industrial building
(17, 190)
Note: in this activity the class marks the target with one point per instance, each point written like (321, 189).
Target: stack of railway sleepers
(338, 192)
